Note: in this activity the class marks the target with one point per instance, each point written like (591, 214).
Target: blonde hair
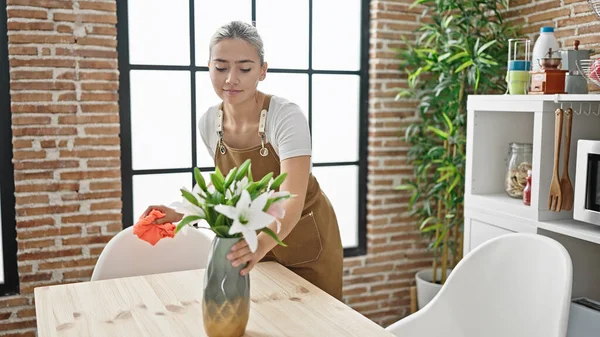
(239, 30)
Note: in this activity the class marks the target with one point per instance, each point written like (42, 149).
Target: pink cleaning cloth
(146, 230)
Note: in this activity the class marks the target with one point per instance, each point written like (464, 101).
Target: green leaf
(405, 187)
(463, 66)
(426, 221)
(432, 228)
(485, 46)
(219, 174)
(448, 123)
(200, 179)
(457, 56)
(278, 181)
(221, 231)
(217, 182)
(242, 170)
(230, 177)
(442, 134)
(189, 197)
(265, 181)
(272, 234)
(186, 220)
(250, 178)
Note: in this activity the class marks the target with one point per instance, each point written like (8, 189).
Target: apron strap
(263, 116)
(261, 126)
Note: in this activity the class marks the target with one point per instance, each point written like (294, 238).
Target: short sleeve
(205, 126)
(292, 133)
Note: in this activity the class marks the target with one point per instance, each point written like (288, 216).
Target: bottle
(518, 164)
(545, 41)
(527, 190)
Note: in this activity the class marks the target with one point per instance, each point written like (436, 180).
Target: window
(165, 88)
(9, 277)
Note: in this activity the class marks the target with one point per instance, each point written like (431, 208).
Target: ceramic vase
(226, 299)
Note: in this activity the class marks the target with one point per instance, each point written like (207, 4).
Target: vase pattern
(226, 295)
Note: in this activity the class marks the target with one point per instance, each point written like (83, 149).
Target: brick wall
(378, 284)
(64, 81)
(572, 20)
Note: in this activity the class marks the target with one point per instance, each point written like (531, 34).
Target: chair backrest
(513, 285)
(127, 255)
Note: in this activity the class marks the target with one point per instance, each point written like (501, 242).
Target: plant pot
(426, 288)
(226, 300)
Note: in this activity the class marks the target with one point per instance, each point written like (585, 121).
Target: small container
(545, 41)
(527, 190)
(519, 163)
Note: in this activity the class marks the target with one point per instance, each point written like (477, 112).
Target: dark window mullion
(310, 69)
(271, 70)
(7, 185)
(169, 170)
(192, 23)
(125, 113)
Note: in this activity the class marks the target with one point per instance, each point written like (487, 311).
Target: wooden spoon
(555, 195)
(566, 187)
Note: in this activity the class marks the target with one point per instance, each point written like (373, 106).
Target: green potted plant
(462, 49)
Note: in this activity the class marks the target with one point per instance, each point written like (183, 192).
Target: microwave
(586, 206)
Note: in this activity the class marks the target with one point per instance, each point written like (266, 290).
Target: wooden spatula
(555, 195)
(566, 188)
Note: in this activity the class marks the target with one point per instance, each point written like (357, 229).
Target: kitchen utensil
(555, 195)
(590, 69)
(550, 62)
(576, 84)
(575, 81)
(550, 79)
(566, 188)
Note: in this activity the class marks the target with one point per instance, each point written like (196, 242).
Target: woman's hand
(240, 254)
(170, 214)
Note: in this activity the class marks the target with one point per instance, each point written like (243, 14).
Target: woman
(274, 134)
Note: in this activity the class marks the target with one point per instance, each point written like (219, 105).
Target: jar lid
(521, 145)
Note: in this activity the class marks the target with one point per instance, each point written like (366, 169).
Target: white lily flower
(236, 188)
(248, 217)
(187, 208)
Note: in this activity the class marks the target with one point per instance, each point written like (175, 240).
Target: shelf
(501, 203)
(573, 228)
(537, 98)
(515, 216)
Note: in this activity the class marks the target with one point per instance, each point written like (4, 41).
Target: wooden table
(282, 304)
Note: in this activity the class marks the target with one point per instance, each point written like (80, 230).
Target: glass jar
(519, 163)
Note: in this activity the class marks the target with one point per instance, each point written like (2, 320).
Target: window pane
(293, 87)
(283, 26)
(159, 34)
(205, 98)
(335, 108)
(342, 38)
(160, 119)
(210, 15)
(340, 184)
(157, 189)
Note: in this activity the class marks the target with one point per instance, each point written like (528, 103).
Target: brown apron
(314, 247)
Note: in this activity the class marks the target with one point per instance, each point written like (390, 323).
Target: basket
(595, 5)
(590, 69)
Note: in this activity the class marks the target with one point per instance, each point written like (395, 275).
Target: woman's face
(235, 70)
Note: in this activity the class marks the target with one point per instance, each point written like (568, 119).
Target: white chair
(516, 285)
(127, 255)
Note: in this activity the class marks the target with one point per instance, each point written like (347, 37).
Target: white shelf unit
(493, 122)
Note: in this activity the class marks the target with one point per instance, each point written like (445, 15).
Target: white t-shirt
(286, 129)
